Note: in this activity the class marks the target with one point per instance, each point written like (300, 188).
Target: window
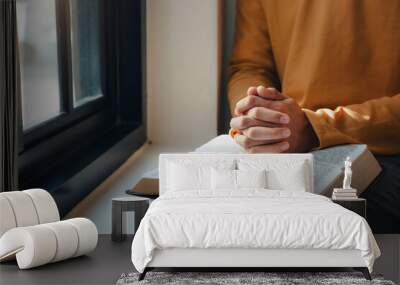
(81, 66)
(61, 55)
(86, 43)
(37, 37)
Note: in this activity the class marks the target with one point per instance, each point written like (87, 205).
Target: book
(346, 198)
(344, 194)
(146, 187)
(340, 190)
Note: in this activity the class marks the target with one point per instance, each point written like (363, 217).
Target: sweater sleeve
(252, 61)
(375, 123)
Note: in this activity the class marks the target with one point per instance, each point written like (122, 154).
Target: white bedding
(250, 219)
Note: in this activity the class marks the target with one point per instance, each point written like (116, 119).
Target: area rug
(244, 278)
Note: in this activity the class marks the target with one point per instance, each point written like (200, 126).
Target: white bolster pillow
(26, 208)
(40, 244)
(45, 205)
(7, 219)
(23, 209)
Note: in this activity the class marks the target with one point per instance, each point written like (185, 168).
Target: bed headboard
(270, 160)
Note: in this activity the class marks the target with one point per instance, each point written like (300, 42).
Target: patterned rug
(243, 278)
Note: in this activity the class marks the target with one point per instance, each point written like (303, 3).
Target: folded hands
(267, 121)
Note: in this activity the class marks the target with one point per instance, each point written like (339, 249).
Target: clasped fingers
(268, 115)
(266, 146)
(244, 122)
(266, 133)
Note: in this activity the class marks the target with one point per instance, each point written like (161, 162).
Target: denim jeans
(383, 197)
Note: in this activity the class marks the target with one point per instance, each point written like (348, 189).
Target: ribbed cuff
(326, 133)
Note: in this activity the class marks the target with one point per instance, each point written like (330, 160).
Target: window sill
(89, 165)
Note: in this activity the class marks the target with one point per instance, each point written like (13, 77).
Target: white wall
(182, 71)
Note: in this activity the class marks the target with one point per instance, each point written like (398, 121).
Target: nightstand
(358, 206)
(136, 204)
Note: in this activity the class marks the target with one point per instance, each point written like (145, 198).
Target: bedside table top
(130, 198)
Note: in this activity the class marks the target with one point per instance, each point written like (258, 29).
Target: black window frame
(72, 114)
(91, 130)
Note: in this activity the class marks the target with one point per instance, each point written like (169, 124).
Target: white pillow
(223, 179)
(181, 177)
(196, 175)
(281, 175)
(236, 179)
(293, 179)
(251, 178)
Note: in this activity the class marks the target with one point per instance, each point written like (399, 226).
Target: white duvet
(250, 219)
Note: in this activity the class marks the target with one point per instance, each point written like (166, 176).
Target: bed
(246, 211)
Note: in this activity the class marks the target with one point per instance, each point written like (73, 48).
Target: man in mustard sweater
(312, 74)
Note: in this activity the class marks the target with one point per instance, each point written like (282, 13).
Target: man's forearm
(374, 122)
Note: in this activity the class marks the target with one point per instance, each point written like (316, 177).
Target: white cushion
(66, 237)
(34, 244)
(227, 179)
(251, 178)
(45, 205)
(26, 208)
(188, 175)
(23, 208)
(46, 243)
(293, 179)
(87, 233)
(223, 179)
(7, 218)
(290, 175)
(283, 163)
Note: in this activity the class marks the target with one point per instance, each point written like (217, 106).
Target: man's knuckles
(241, 122)
(265, 114)
(255, 101)
(247, 143)
(252, 90)
(244, 141)
(280, 107)
(252, 133)
(270, 148)
(251, 101)
(256, 113)
(264, 133)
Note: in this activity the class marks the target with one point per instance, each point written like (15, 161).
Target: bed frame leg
(364, 271)
(143, 274)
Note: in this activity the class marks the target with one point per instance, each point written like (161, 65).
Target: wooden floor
(103, 266)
